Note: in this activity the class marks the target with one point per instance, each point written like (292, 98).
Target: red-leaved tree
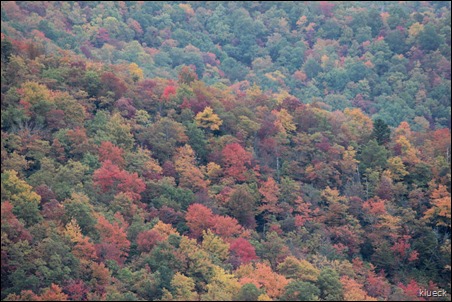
(114, 243)
(111, 179)
(243, 249)
(198, 218)
(235, 161)
(108, 151)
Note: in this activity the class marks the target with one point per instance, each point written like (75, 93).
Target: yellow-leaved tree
(440, 212)
(183, 289)
(25, 202)
(215, 246)
(190, 176)
(222, 286)
(208, 119)
(136, 72)
(298, 269)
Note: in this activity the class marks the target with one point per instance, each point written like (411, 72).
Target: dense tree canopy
(196, 151)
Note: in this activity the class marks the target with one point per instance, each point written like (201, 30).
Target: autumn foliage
(111, 179)
(247, 151)
(114, 243)
(235, 161)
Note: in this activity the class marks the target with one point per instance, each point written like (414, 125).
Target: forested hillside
(238, 151)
